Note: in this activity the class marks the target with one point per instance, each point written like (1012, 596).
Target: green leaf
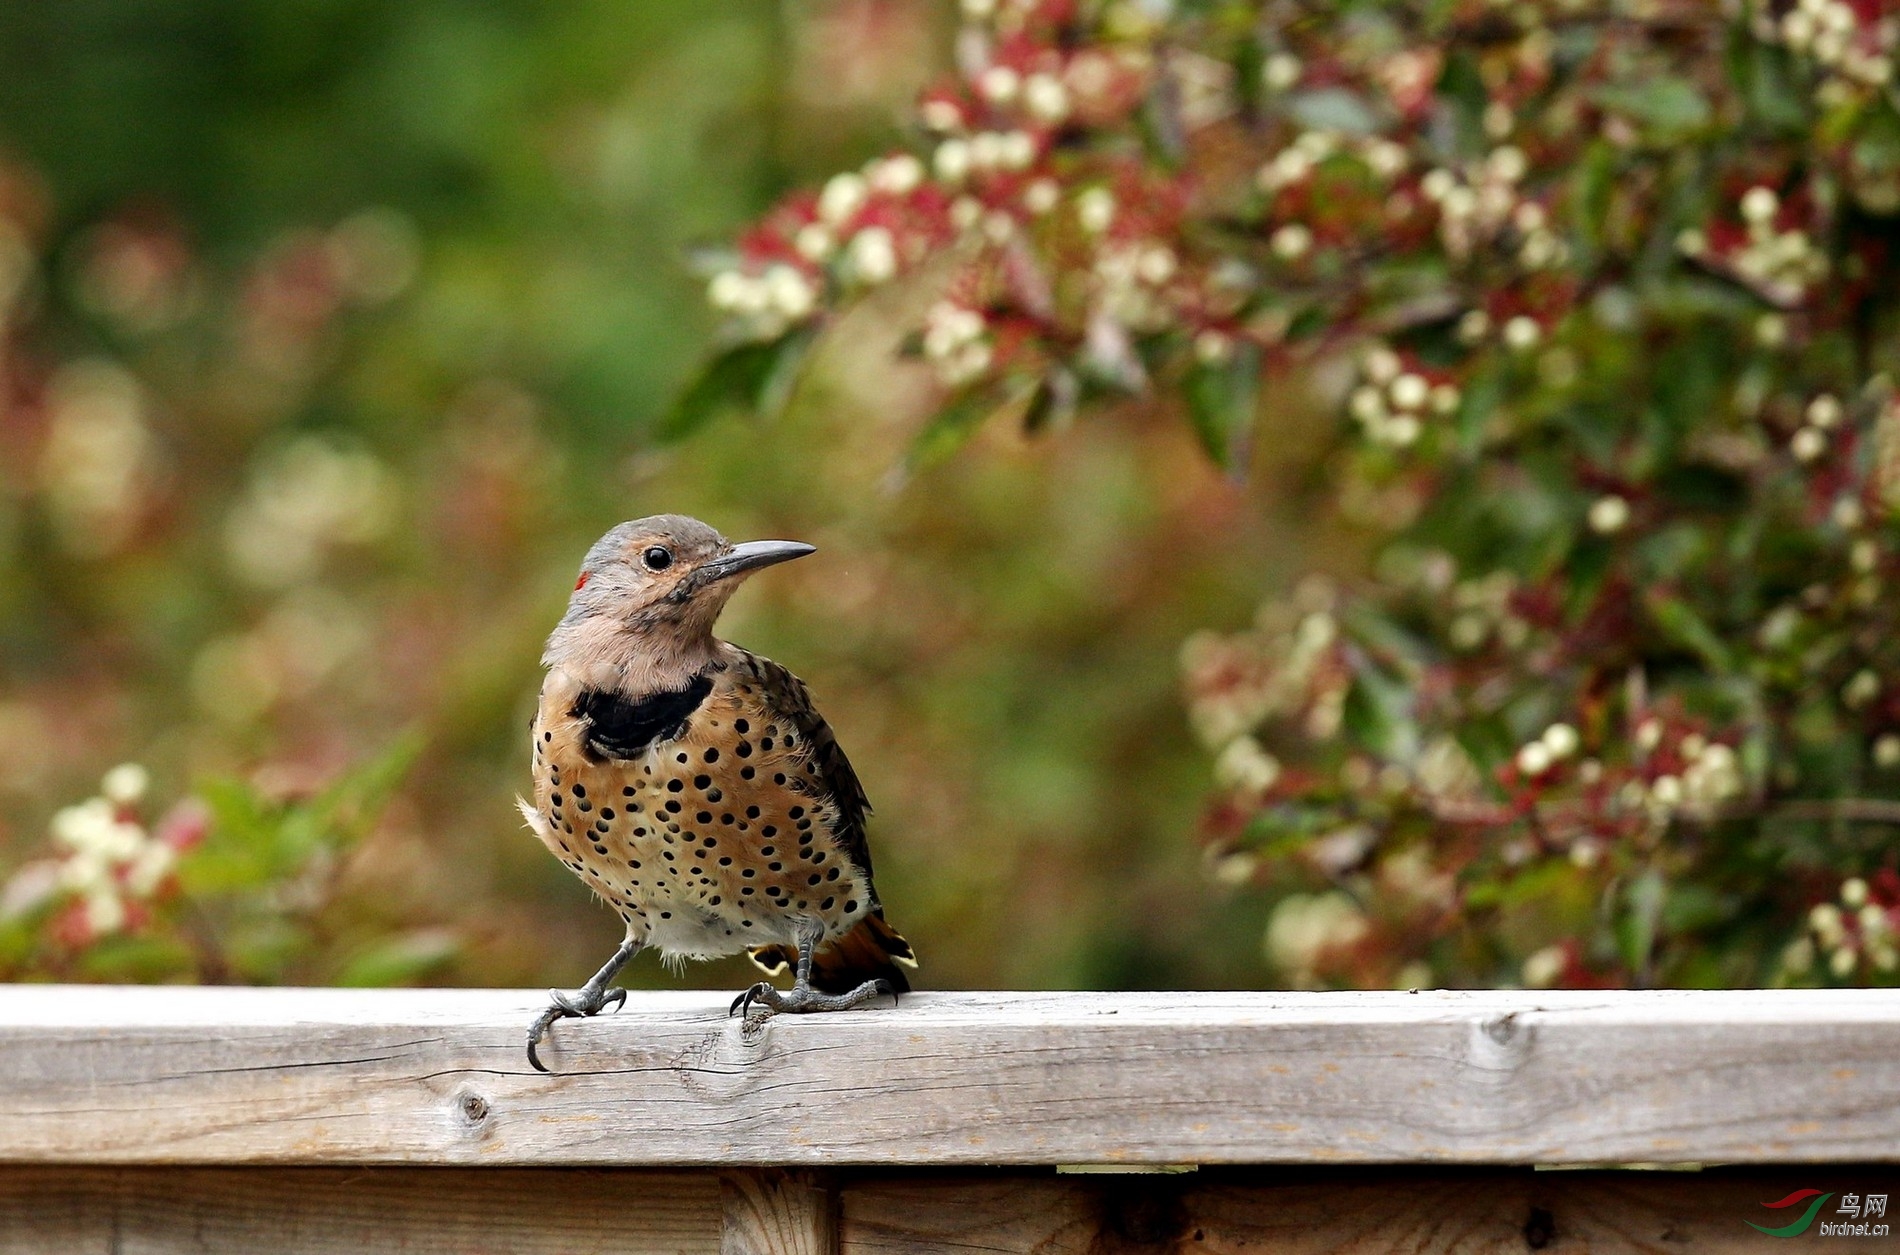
(1333, 109)
(1670, 107)
(400, 960)
(1683, 626)
(1221, 399)
(754, 378)
(955, 423)
(1379, 716)
(1053, 402)
(1636, 928)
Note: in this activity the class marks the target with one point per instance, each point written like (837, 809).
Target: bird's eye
(657, 559)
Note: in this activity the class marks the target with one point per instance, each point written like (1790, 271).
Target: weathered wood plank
(769, 1211)
(329, 1211)
(1361, 1211)
(178, 1075)
(1366, 1211)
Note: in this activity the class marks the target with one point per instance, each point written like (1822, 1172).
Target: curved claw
(742, 1005)
(578, 1005)
(537, 1031)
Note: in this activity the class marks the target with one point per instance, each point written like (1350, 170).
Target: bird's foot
(586, 1001)
(800, 999)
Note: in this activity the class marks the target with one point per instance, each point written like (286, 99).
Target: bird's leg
(590, 999)
(801, 997)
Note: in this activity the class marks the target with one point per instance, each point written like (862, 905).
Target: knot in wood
(472, 1106)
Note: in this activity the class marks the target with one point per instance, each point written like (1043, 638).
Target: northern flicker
(691, 785)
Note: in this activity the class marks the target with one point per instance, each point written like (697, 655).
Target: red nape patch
(582, 581)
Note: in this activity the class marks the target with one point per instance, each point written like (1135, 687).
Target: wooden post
(774, 1212)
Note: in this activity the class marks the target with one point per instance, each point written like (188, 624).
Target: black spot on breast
(712, 753)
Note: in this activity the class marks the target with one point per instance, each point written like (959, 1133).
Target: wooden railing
(323, 1120)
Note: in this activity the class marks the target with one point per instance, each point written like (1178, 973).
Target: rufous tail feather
(871, 951)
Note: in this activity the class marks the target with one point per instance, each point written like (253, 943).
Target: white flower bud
(1854, 893)
(1561, 740)
(1382, 365)
(728, 290)
(873, 255)
(1213, 347)
(1507, 163)
(951, 161)
(1015, 150)
(813, 242)
(1409, 391)
(1000, 84)
(1825, 411)
(898, 175)
(1280, 71)
(1861, 689)
(1759, 204)
(789, 292)
(1534, 759)
(1542, 969)
(1095, 209)
(125, 785)
(1046, 98)
(1808, 444)
(843, 196)
(1292, 241)
(1609, 515)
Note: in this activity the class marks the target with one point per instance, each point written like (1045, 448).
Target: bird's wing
(791, 701)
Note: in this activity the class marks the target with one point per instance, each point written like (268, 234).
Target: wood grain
(1352, 1212)
(774, 1212)
(437, 1077)
(1357, 1211)
(327, 1211)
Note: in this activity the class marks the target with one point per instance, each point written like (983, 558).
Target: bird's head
(660, 582)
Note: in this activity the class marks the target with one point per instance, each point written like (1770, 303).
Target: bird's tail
(871, 951)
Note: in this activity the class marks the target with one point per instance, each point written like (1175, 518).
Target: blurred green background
(337, 329)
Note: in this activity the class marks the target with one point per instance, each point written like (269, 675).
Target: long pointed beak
(752, 555)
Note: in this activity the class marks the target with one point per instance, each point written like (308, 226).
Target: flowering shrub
(230, 887)
(1602, 292)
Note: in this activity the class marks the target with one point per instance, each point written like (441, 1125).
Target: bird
(692, 785)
